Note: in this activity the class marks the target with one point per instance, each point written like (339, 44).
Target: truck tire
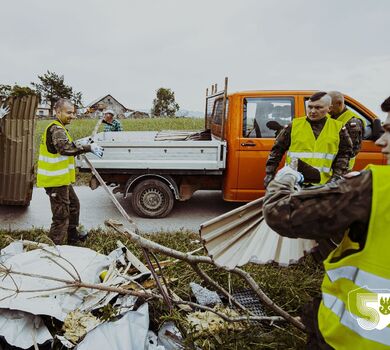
(152, 198)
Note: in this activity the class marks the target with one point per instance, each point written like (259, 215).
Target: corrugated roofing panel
(17, 151)
(242, 235)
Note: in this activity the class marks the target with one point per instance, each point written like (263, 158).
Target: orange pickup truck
(157, 168)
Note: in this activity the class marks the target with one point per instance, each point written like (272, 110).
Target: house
(97, 107)
(43, 109)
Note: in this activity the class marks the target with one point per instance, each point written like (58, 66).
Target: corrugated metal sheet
(17, 151)
(242, 235)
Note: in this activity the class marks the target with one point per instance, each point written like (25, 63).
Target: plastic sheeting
(128, 333)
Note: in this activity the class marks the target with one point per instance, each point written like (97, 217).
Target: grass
(80, 128)
(289, 287)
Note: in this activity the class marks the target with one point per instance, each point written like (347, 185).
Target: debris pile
(82, 299)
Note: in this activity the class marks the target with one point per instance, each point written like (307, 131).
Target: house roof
(102, 98)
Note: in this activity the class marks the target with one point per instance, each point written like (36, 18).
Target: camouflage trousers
(65, 207)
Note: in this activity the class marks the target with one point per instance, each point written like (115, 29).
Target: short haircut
(61, 103)
(336, 96)
(317, 96)
(386, 105)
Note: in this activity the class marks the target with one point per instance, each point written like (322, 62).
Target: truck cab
(248, 126)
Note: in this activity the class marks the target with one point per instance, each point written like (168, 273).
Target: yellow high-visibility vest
(345, 118)
(352, 282)
(320, 152)
(54, 170)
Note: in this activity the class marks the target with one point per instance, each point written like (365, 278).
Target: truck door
(257, 138)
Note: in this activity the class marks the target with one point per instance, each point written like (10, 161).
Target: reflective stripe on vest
(347, 319)
(54, 170)
(350, 276)
(319, 153)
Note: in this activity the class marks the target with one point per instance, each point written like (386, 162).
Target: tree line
(51, 87)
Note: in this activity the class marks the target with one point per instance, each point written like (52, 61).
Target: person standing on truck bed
(316, 139)
(357, 204)
(56, 173)
(111, 124)
(354, 123)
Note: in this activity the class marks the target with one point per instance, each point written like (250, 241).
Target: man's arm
(281, 145)
(341, 162)
(356, 132)
(118, 125)
(62, 144)
(320, 212)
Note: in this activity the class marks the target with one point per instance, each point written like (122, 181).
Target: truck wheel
(152, 199)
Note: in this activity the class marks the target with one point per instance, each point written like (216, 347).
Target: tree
(5, 91)
(15, 91)
(164, 104)
(52, 87)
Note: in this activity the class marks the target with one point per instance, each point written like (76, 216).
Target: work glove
(83, 142)
(4, 110)
(97, 150)
(288, 171)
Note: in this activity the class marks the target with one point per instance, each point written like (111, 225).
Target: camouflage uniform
(320, 213)
(283, 141)
(355, 130)
(65, 205)
(115, 126)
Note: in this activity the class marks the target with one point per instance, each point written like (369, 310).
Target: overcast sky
(131, 48)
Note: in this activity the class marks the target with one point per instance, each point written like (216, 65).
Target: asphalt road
(96, 206)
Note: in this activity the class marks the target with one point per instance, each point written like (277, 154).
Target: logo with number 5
(371, 307)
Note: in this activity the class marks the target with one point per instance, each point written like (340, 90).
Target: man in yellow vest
(354, 311)
(56, 173)
(315, 139)
(353, 123)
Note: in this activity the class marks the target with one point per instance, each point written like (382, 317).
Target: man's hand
(97, 150)
(288, 171)
(83, 142)
(4, 110)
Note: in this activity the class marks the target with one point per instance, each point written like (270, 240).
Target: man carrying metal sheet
(56, 173)
(354, 311)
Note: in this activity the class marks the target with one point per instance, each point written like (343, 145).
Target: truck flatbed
(157, 150)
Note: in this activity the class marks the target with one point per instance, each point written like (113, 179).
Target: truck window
(218, 111)
(258, 112)
(368, 126)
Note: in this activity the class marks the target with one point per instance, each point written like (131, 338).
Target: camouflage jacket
(283, 141)
(115, 126)
(58, 142)
(321, 213)
(355, 130)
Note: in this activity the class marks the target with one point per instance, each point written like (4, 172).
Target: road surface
(96, 207)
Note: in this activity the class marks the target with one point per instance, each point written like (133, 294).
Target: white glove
(287, 170)
(97, 150)
(4, 110)
(83, 142)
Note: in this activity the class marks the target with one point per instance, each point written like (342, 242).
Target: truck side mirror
(377, 129)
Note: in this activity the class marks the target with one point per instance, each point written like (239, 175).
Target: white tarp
(128, 333)
(60, 262)
(22, 329)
